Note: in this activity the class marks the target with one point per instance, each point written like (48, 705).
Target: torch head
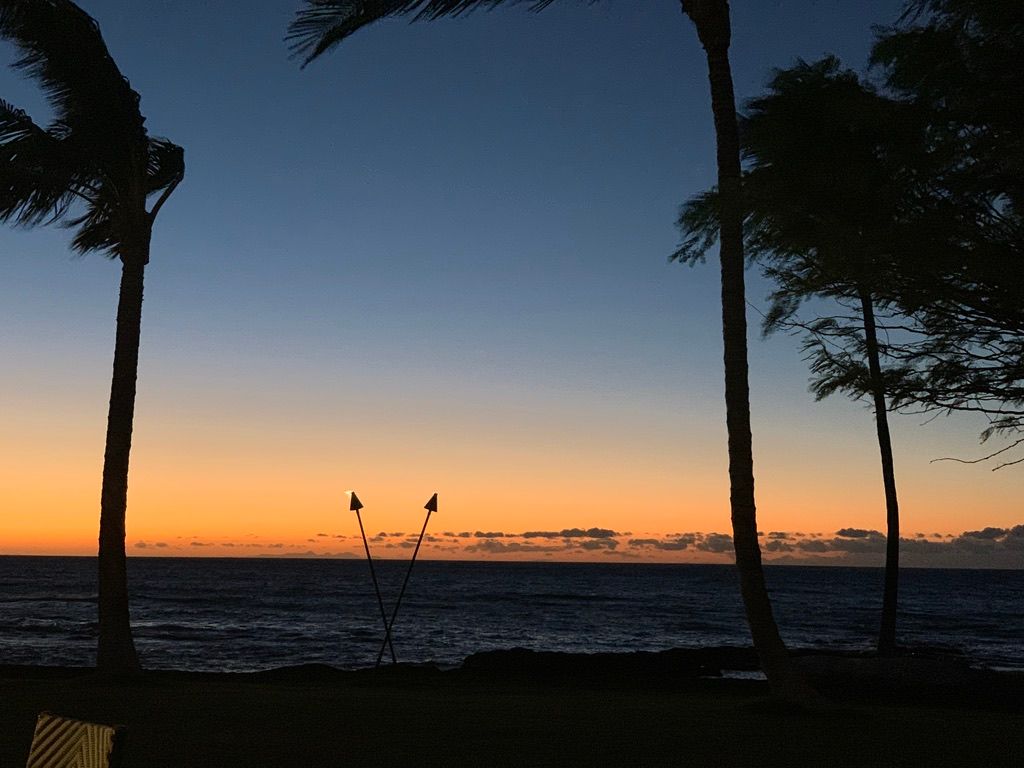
(354, 503)
(431, 506)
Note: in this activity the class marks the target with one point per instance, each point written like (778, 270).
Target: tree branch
(1004, 449)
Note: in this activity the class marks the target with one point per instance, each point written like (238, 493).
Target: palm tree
(93, 170)
(323, 24)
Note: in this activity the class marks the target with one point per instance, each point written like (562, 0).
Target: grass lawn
(422, 718)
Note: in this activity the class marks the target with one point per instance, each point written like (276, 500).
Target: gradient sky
(436, 260)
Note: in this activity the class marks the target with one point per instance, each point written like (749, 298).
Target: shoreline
(862, 675)
(706, 660)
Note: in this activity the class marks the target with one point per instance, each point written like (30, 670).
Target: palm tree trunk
(887, 633)
(711, 18)
(116, 650)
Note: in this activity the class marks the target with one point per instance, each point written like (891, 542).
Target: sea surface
(250, 614)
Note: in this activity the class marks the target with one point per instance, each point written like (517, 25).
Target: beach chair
(60, 742)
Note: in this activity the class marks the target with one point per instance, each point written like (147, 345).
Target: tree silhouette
(830, 193)
(323, 24)
(92, 170)
(959, 62)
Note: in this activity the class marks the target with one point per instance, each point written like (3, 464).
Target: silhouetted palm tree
(93, 170)
(322, 24)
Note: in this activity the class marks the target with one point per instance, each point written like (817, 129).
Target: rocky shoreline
(913, 675)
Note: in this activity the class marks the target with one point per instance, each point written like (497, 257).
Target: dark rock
(641, 666)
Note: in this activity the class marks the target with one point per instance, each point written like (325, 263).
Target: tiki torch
(430, 506)
(355, 505)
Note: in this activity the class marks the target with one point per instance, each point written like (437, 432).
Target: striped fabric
(59, 742)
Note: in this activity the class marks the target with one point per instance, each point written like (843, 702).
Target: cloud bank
(990, 547)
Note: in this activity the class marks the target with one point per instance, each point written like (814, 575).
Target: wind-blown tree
(830, 190)
(323, 24)
(93, 170)
(959, 62)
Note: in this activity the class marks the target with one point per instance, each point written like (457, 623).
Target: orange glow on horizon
(208, 480)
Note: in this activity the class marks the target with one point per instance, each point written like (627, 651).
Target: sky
(437, 260)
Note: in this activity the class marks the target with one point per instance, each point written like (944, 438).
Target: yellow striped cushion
(59, 742)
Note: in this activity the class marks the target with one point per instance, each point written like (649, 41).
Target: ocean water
(250, 614)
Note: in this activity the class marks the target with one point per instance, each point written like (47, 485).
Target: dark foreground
(529, 710)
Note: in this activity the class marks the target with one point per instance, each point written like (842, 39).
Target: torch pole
(430, 507)
(376, 586)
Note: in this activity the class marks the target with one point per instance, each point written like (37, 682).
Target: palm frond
(322, 24)
(96, 151)
(166, 165)
(35, 184)
(100, 227)
(61, 47)
(16, 125)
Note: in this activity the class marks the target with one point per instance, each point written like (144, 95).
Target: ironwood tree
(958, 63)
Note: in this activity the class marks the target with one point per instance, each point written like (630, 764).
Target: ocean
(252, 614)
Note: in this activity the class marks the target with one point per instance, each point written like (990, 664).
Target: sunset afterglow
(484, 309)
